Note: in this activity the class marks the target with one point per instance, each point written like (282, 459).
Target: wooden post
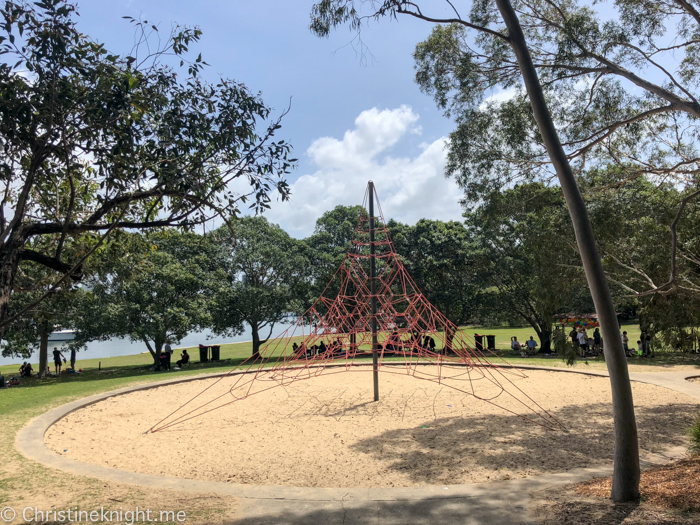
(373, 291)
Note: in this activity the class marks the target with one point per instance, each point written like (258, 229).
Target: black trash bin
(491, 342)
(215, 353)
(479, 340)
(203, 354)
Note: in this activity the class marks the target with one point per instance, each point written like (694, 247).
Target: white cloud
(409, 188)
(501, 96)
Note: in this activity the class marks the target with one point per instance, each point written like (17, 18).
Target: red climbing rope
(335, 334)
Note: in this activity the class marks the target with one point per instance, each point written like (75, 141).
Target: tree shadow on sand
(455, 450)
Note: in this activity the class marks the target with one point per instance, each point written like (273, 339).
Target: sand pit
(327, 432)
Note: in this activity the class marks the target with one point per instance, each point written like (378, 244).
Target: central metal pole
(373, 292)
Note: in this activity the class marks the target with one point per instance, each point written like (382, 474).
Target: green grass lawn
(241, 351)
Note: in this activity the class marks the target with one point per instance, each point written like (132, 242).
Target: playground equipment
(371, 307)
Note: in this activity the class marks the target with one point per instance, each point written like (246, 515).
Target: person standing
(574, 336)
(168, 354)
(626, 343)
(72, 358)
(597, 341)
(546, 342)
(582, 342)
(57, 356)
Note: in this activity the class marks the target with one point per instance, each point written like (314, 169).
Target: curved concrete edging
(30, 442)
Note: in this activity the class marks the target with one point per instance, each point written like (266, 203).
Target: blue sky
(349, 122)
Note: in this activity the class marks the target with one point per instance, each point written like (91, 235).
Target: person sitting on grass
(332, 347)
(531, 345)
(515, 344)
(184, 359)
(392, 342)
(25, 370)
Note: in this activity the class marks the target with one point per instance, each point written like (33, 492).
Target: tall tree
(30, 333)
(328, 244)
(94, 141)
(439, 256)
(572, 45)
(150, 288)
(631, 222)
(527, 253)
(264, 270)
(631, 225)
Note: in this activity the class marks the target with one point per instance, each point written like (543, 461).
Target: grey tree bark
(626, 467)
(43, 352)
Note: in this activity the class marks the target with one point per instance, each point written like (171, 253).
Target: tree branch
(453, 21)
(51, 262)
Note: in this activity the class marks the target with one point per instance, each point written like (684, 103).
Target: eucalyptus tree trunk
(626, 467)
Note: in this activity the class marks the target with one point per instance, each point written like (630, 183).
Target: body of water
(117, 346)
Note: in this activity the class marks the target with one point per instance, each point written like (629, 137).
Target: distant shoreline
(185, 347)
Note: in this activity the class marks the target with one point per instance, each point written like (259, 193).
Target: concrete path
(503, 502)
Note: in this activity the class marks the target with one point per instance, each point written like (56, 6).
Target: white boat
(61, 335)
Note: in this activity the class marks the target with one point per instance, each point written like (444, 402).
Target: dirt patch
(327, 432)
(673, 486)
(670, 494)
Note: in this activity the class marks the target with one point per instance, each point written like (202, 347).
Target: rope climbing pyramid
(371, 307)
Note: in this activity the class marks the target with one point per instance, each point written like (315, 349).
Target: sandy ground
(326, 431)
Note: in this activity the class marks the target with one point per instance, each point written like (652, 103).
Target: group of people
(594, 345)
(586, 344)
(167, 355)
(643, 349)
(525, 349)
(395, 343)
(334, 347)
(25, 370)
